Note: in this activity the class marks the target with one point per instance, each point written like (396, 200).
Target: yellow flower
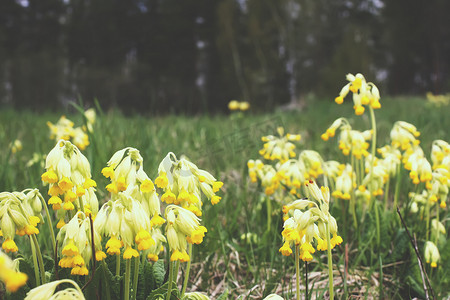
(152, 257)
(147, 186)
(285, 250)
(162, 181)
(60, 224)
(13, 280)
(108, 172)
(129, 253)
(88, 183)
(10, 246)
(197, 235)
(65, 184)
(215, 199)
(99, 255)
(168, 197)
(233, 105)
(243, 106)
(49, 176)
(216, 186)
(70, 249)
(113, 246)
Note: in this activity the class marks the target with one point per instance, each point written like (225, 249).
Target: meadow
(239, 257)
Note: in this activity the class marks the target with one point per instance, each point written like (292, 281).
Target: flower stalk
(330, 262)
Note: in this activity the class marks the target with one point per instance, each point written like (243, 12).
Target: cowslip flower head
(308, 222)
(279, 147)
(19, 214)
(75, 244)
(344, 183)
(364, 93)
(68, 174)
(127, 224)
(404, 135)
(312, 162)
(15, 146)
(432, 255)
(183, 183)
(376, 180)
(291, 174)
(64, 130)
(12, 279)
(440, 155)
(183, 227)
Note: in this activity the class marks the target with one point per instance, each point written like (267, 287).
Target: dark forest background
(194, 56)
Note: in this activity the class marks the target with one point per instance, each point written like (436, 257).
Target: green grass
(250, 268)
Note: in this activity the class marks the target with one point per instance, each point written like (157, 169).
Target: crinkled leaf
(146, 281)
(159, 272)
(160, 293)
(113, 284)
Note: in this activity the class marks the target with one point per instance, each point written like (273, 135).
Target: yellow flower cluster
(75, 239)
(234, 105)
(131, 218)
(182, 182)
(438, 100)
(345, 182)
(364, 93)
(183, 227)
(308, 222)
(12, 279)
(20, 212)
(64, 130)
(15, 146)
(288, 175)
(432, 255)
(350, 141)
(279, 148)
(70, 184)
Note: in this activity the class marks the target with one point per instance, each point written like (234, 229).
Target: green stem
(374, 144)
(36, 268)
(397, 185)
(330, 263)
(127, 280)
(437, 229)
(352, 196)
(169, 286)
(377, 220)
(386, 194)
(269, 213)
(188, 268)
(117, 264)
(297, 272)
(427, 211)
(135, 277)
(175, 271)
(49, 223)
(39, 258)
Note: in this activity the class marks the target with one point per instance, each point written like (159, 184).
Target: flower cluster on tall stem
(310, 223)
(71, 187)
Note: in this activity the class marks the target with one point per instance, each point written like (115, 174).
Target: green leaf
(159, 272)
(113, 284)
(224, 296)
(146, 281)
(160, 292)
